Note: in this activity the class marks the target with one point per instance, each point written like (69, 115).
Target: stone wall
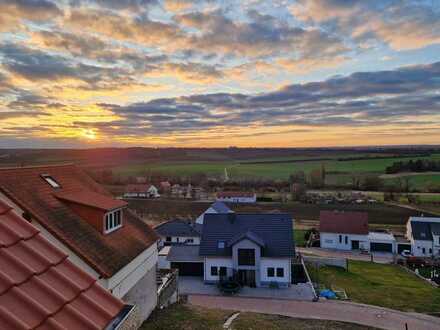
(322, 261)
(132, 322)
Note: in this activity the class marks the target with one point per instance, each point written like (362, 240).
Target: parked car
(405, 253)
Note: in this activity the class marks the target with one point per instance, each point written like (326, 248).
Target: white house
(215, 208)
(343, 230)
(178, 232)
(96, 231)
(349, 231)
(236, 197)
(424, 235)
(255, 249)
(141, 191)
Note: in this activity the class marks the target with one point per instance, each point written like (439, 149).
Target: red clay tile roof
(107, 254)
(89, 198)
(224, 194)
(40, 288)
(137, 188)
(343, 222)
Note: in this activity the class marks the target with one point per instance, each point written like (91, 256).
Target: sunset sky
(86, 73)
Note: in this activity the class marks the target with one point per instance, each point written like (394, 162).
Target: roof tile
(107, 254)
(40, 288)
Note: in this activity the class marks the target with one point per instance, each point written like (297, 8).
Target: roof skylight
(50, 180)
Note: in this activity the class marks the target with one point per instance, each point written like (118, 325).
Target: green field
(383, 285)
(339, 172)
(417, 181)
(187, 317)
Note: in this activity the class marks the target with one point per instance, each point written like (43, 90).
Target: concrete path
(325, 310)
(195, 285)
(381, 258)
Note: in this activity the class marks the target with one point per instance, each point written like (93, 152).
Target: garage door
(381, 247)
(188, 268)
(402, 247)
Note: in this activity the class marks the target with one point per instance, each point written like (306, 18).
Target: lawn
(383, 285)
(180, 316)
(299, 237)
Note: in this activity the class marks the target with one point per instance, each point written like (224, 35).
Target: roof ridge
(37, 166)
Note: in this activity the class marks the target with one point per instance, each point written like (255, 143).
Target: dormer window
(221, 244)
(50, 180)
(112, 221)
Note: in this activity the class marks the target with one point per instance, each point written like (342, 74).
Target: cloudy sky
(84, 73)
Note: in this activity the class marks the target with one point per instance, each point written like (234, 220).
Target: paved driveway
(195, 285)
(379, 257)
(325, 310)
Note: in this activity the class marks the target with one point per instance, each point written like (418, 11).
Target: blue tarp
(329, 294)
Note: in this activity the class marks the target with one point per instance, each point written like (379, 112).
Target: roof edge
(36, 166)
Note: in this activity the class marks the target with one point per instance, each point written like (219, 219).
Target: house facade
(255, 249)
(97, 232)
(424, 236)
(236, 197)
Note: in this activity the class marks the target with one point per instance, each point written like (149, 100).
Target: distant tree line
(420, 165)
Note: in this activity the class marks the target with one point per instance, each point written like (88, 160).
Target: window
(50, 180)
(280, 272)
(246, 257)
(214, 271)
(190, 240)
(177, 239)
(113, 220)
(222, 271)
(340, 238)
(430, 251)
(221, 245)
(423, 250)
(346, 239)
(270, 272)
(168, 238)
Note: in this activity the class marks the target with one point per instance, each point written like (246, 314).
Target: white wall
(331, 241)
(417, 248)
(275, 263)
(252, 199)
(217, 262)
(121, 282)
(163, 263)
(180, 239)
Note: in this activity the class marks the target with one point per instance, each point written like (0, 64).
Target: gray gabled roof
(421, 230)
(184, 253)
(274, 230)
(177, 228)
(246, 235)
(220, 207)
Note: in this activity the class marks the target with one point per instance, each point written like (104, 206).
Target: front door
(246, 277)
(355, 245)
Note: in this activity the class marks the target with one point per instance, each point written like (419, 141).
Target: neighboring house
(178, 232)
(256, 249)
(349, 231)
(165, 186)
(236, 197)
(215, 208)
(96, 231)
(41, 288)
(141, 191)
(343, 230)
(424, 236)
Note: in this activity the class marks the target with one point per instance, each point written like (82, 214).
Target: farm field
(156, 211)
(383, 285)
(180, 316)
(339, 172)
